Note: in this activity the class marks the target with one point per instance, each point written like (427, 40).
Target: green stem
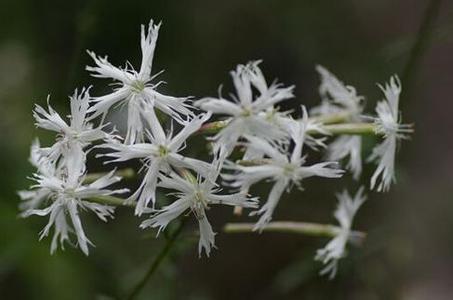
(351, 128)
(253, 162)
(214, 127)
(422, 41)
(333, 118)
(311, 229)
(157, 261)
(123, 173)
(334, 129)
(111, 200)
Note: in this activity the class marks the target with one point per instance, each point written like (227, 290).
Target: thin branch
(157, 261)
(333, 129)
(124, 173)
(334, 118)
(351, 128)
(111, 200)
(311, 229)
(422, 41)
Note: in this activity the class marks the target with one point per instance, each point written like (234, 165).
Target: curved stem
(157, 261)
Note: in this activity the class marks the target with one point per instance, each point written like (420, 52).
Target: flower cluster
(267, 144)
(60, 191)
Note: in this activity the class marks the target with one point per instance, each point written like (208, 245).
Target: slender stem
(124, 173)
(332, 118)
(312, 229)
(339, 117)
(422, 41)
(111, 200)
(253, 162)
(157, 261)
(334, 129)
(351, 128)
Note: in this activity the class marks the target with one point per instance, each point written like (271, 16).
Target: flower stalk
(306, 228)
(157, 261)
(332, 118)
(351, 128)
(111, 200)
(127, 173)
(332, 124)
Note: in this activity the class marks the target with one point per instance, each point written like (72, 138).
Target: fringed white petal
(207, 236)
(148, 45)
(267, 210)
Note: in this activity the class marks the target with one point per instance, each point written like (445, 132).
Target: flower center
(246, 112)
(288, 169)
(163, 151)
(270, 115)
(137, 86)
(69, 192)
(200, 204)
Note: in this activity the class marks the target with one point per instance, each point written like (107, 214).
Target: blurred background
(409, 250)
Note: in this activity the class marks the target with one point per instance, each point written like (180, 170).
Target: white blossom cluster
(267, 145)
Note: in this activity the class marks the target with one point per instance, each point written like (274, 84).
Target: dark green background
(408, 254)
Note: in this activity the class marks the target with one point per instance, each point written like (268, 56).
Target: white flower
(76, 135)
(247, 114)
(281, 169)
(135, 88)
(64, 195)
(196, 195)
(388, 123)
(160, 154)
(336, 248)
(338, 97)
